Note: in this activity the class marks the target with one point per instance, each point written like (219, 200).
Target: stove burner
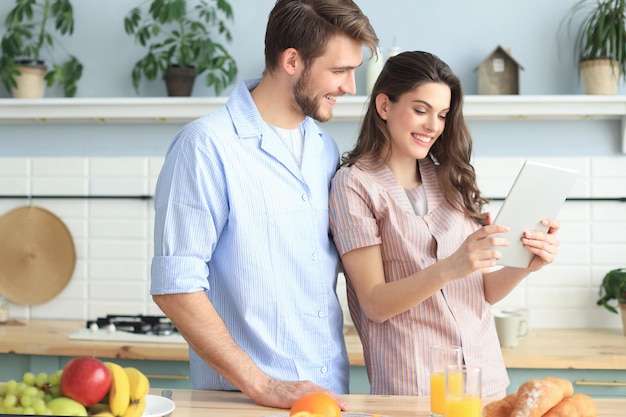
(155, 325)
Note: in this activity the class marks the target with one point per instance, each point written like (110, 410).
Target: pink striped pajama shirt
(369, 207)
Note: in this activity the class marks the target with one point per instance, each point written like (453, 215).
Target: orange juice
(438, 390)
(463, 406)
(437, 393)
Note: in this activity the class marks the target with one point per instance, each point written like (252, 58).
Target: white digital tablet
(538, 192)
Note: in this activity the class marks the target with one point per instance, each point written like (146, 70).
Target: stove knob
(93, 327)
(110, 328)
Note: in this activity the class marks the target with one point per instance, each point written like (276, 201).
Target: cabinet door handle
(601, 383)
(166, 376)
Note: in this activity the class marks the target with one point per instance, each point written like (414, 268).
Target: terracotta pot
(179, 81)
(600, 76)
(30, 82)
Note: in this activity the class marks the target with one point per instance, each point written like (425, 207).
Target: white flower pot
(30, 82)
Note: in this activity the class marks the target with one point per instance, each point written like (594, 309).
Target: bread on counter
(546, 397)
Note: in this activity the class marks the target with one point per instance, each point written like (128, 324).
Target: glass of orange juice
(463, 391)
(441, 356)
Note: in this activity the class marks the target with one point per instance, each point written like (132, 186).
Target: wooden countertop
(542, 348)
(50, 338)
(548, 348)
(190, 403)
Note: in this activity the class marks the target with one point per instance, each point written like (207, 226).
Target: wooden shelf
(347, 109)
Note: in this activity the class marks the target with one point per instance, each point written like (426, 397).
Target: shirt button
(314, 256)
(320, 314)
(305, 197)
(324, 369)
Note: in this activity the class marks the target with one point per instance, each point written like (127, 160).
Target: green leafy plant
(602, 31)
(30, 27)
(176, 34)
(613, 287)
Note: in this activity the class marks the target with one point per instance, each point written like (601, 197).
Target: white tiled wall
(113, 237)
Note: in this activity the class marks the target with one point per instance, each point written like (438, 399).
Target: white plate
(157, 406)
(343, 414)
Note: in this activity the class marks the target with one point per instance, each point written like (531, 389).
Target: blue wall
(462, 33)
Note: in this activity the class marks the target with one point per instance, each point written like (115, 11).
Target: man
(244, 265)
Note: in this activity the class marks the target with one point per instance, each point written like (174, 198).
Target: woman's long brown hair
(404, 73)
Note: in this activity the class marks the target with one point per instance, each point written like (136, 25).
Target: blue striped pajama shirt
(237, 218)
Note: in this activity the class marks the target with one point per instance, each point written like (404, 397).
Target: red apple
(86, 380)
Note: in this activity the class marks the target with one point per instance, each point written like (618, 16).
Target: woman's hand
(479, 251)
(544, 245)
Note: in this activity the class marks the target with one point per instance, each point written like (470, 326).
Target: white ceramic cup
(521, 311)
(511, 327)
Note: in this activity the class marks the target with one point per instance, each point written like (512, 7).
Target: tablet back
(538, 192)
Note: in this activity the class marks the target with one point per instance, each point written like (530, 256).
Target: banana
(136, 408)
(139, 384)
(119, 394)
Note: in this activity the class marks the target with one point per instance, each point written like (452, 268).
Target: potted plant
(29, 37)
(613, 288)
(183, 40)
(600, 45)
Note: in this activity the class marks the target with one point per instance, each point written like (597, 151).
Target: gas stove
(157, 325)
(129, 328)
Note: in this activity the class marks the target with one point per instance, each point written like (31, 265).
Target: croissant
(577, 405)
(536, 396)
(501, 408)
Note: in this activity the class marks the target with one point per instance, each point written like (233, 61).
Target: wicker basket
(37, 253)
(600, 76)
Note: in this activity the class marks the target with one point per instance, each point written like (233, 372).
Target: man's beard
(308, 105)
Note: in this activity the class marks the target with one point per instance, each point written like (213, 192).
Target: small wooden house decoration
(498, 73)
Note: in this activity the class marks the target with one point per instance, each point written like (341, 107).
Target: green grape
(29, 378)
(31, 392)
(29, 411)
(47, 398)
(17, 410)
(40, 394)
(3, 390)
(41, 379)
(9, 400)
(38, 402)
(11, 385)
(55, 391)
(20, 387)
(26, 401)
(39, 408)
(55, 378)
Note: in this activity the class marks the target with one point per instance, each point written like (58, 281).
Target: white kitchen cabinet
(162, 374)
(597, 383)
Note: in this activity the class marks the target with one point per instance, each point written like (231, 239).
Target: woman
(406, 216)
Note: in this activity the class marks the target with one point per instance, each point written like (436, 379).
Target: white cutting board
(120, 336)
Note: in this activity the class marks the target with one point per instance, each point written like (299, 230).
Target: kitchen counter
(548, 348)
(226, 404)
(542, 348)
(50, 338)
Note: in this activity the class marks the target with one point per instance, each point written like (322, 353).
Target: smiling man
(243, 263)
